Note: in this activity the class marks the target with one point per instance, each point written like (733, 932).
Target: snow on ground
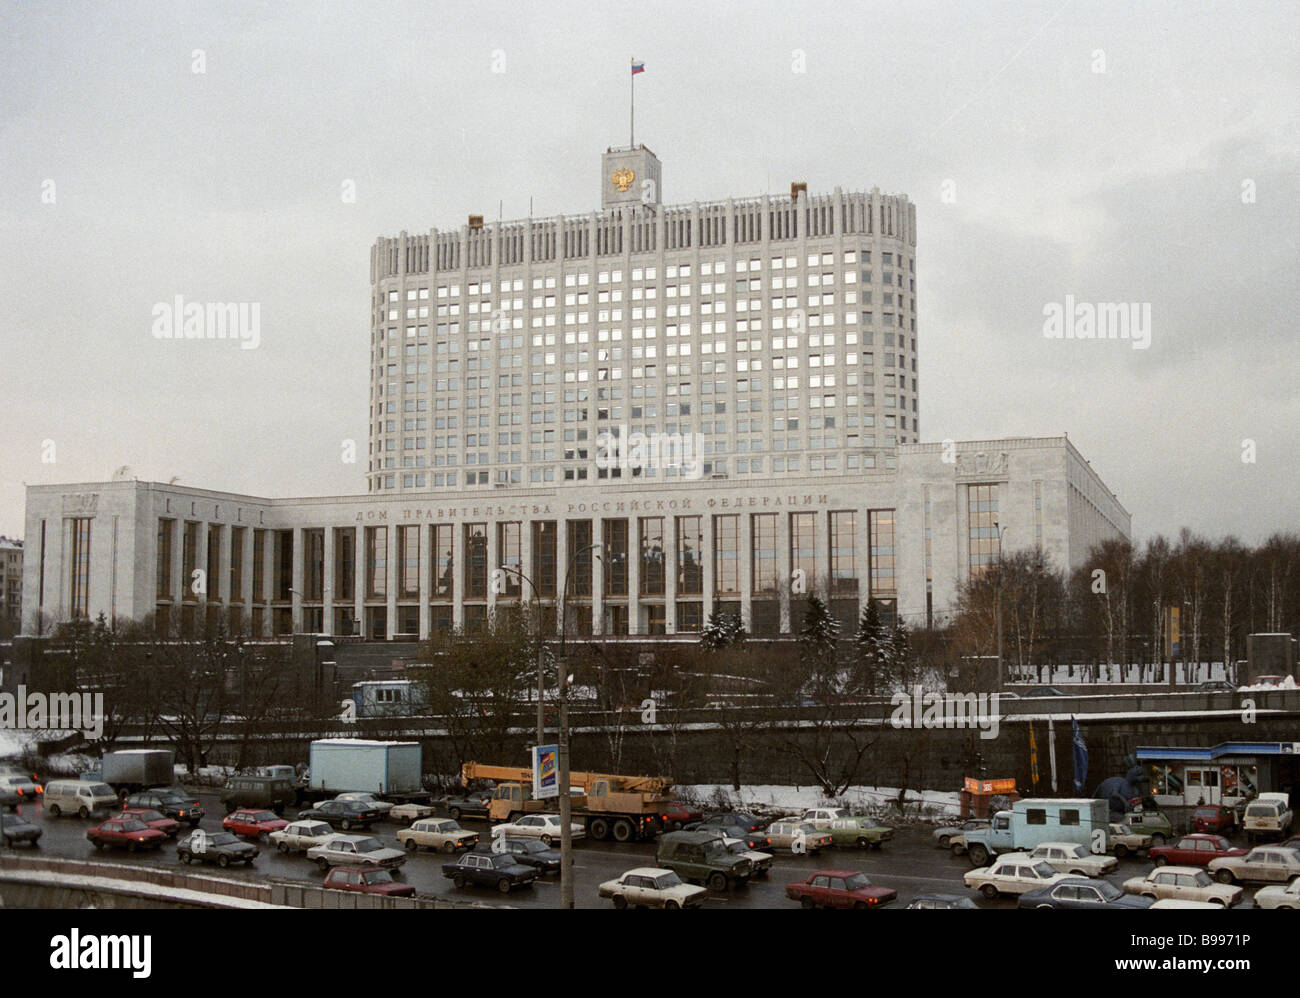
(1287, 683)
(878, 801)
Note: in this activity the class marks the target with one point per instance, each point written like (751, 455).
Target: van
(274, 792)
(1267, 815)
(80, 797)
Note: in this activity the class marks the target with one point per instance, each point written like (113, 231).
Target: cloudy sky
(1115, 152)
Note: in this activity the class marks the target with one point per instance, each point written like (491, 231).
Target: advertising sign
(546, 771)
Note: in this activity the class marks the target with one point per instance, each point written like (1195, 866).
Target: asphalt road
(910, 863)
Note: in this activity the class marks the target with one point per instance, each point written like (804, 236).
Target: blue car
(1081, 892)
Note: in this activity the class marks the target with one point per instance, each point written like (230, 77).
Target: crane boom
(523, 774)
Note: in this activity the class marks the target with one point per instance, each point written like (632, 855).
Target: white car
(437, 833)
(944, 835)
(299, 836)
(1267, 814)
(1262, 865)
(1014, 873)
(1278, 896)
(761, 861)
(412, 812)
(546, 827)
(355, 850)
(821, 817)
(1175, 903)
(1183, 883)
(651, 887)
(369, 800)
(1123, 840)
(1072, 858)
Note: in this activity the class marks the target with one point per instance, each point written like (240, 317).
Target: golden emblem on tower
(622, 179)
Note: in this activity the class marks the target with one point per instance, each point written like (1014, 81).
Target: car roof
(1175, 869)
(358, 869)
(349, 838)
(646, 871)
(1054, 845)
(692, 837)
(834, 873)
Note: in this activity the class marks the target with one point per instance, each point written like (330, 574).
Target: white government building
(765, 349)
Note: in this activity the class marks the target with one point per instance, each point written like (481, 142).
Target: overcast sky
(1168, 177)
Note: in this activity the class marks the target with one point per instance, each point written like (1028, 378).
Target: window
(844, 572)
(476, 560)
(690, 545)
(376, 562)
(1036, 816)
(1069, 817)
(79, 591)
(765, 573)
(726, 560)
(614, 553)
(803, 548)
(881, 553)
(652, 556)
(982, 508)
(408, 560)
(163, 572)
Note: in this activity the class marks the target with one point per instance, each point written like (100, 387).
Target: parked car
(1267, 815)
(1215, 686)
(442, 834)
(736, 826)
(1153, 823)
(355, 850)
(1214, 819)
(346, 814)
(274, 792)
(859, 832)
(125, 833)
(1183, 883)
(651, 887)
(1081, 892)
(944, 834)
(545, 827)
(24, 786)
(761, 861)
(499, 870)
(798, 837)
(1276, 896)
(15, 829)
(1123, 840)
(1177, 903)
(299, 836)
(1269, 680)
(1194, 850)
(365, 880)
(172, 802)
(821, 817)
(1072, 858)
(9, 799)
(80, 797)
(154, 819)
(839, 889)
(221, 848)
(253, 823)
(1012, 873)
(677, 815)
(941, 901)
(699, 857)
(1262, 865)
(474, 805)
(411, 811)
(530, 852)
(369, 800)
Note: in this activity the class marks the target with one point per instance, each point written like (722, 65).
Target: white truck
(389, 770)
(1031, 822)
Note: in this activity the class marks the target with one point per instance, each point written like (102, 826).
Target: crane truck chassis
(624, 808)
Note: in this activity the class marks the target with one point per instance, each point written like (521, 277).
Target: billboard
(546, 771)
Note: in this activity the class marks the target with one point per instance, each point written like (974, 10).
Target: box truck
(391, 770)
(130, 771)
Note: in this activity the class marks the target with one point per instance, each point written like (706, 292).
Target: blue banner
(1080, 757)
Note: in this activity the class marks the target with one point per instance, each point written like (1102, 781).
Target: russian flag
(637, 67)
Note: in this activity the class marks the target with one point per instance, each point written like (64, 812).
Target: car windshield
(1123, 830)
(263, 816)
(222, 839)
(102, 790)
(1202, 879)
(377, 877)
(1205, 812)
(1108, 890)
(856, 882)
(667, 880)
(532, 845)
(368, 845)
(1043, 870)
(133, 826)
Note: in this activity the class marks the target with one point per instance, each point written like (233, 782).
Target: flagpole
(631, 107)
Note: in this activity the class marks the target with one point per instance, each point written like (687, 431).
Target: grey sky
(1122, 185)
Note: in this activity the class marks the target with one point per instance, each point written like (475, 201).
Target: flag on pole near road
(1033, 757)
(637, 67)
(1080, 757)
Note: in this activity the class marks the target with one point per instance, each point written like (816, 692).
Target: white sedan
(546, 827)
(1014, 873)
(1278, 896)
(355, 850)
(412, 812)
(437, 833)
(369, 800)
(650, 887)
(1070, 857)
(299, 836)
(1183, 883)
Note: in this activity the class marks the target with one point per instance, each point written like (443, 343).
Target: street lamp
(566, 811)
(998, 603)
(541, 653)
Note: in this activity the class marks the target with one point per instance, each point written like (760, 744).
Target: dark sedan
(500, 870)
(734, 826)
(346, 814)
(172, 802)
(473, 805)
(925, 901)
(1081, 892)
(18, 830)
(530, 852)
(221, 848)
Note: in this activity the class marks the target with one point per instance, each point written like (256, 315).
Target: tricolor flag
(637, 67)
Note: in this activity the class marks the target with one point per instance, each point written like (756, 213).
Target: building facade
(11, 582)
(627, 420)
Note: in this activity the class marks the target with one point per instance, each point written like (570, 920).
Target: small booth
(1226, 774)
(977, 795)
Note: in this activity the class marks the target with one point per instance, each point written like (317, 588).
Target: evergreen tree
(872, 648)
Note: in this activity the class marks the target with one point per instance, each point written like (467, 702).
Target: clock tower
(630, 176)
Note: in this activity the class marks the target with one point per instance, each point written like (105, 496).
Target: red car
(366, 880)
(675, 815)
(255, 823)
(154, 819)
(839, 889)
(125, 833)
(1194, 850)
(1214, 819)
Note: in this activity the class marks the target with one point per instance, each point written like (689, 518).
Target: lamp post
(541, 653)
(566, 810)
(998, 603)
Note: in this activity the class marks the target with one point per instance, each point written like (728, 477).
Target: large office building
(631, 418)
